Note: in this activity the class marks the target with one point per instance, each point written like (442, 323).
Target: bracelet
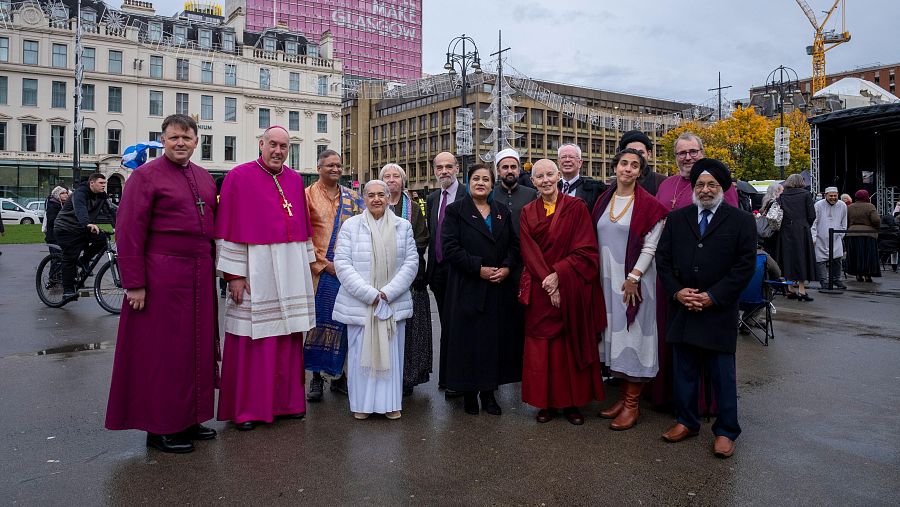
(634, 278)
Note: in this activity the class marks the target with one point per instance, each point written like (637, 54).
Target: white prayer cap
(507, 153)
(831, 189)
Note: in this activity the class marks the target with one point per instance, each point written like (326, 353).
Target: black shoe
(316, 386)
(792, 295)
(69, 296)
(470, 405)
(339, 385)
(245, 426)
(489, 403)
(175, 443)
(199, 432)
(407, 390)
(450, 393)
(804, 297)
(840, 286)
(298, 416)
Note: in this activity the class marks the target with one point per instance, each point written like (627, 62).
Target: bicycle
(108, 289)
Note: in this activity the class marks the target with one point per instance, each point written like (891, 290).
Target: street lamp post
(465, 60)
(779, 81)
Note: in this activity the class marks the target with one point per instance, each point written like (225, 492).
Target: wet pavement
(818, 407)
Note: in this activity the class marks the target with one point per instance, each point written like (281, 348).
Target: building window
(156, 67)
(115, 62)
(60, 56)
(264, 118)
(290, 47)
(115, 99)
(446, 118)
(87, 141)
(182, 69)
(228, 41)
(87, 97)
(294, 158)
(323, 85)
(206, 107)
(322, 123)
(230, 144)
(29, 92)
(434, 120)
(29, 137)
(537, 117)
(312, 50)
(264, 79)
(4, 49)
(113, 140)
(89, 59)
(293, 120)
(320, 148)
(89, 18)
(230, 109)
(205, 38)
(269, 44)
(180, 34)
(3, 136)
(4, 90)
(206, 73)
(155, 31)
(30, 52)
(230, 74)
(375, 133)
(206, 146)
(182, 103)
(58, 94)
(154, 136)
(57, 139)
(156, 103)
(294, 83)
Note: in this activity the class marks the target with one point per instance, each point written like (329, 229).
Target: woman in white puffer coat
(376, 261)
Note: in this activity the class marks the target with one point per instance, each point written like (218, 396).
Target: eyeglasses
(711, 185)
(686, 153)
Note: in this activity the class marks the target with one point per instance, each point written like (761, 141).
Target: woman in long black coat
(481, 247)
(794, 250)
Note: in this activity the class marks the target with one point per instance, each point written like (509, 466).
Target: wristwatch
(634, 278)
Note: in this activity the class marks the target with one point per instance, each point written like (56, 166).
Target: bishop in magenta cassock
(263, 235)
(163, 379)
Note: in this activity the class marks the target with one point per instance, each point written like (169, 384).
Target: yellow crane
(823, 41)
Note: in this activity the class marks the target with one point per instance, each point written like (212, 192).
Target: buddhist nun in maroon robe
(562, 365)
(164, 373)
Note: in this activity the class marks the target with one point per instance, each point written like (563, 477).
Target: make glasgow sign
(398, 20)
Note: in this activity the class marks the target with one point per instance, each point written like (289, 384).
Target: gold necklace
(612, 209)
(284, 202)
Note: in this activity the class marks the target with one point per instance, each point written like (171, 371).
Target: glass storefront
(23, 181)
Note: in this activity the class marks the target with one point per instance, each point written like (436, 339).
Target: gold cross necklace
(285, 204)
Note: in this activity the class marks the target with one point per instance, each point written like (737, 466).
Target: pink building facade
(379, 39)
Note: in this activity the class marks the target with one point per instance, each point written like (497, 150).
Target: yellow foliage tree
(745, 142)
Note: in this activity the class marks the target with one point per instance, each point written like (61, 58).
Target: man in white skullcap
(831, 213)
(509, 192)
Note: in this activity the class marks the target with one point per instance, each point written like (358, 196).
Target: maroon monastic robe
(562, 364)
(164, 373)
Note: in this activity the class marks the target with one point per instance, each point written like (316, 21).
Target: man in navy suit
(706, 257)
(446, 169)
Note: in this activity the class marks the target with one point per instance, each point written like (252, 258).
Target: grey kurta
(829, 216)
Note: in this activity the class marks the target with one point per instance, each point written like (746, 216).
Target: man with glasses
(572, 183)
(676, 191)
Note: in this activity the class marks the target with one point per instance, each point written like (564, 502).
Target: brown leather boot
(614, 410)
(628, 417)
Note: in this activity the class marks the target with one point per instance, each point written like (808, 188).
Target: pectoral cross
(288, 207)
(200, 204)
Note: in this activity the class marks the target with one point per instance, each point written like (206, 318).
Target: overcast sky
(669, 49)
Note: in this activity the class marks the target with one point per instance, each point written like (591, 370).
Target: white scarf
(375, 357)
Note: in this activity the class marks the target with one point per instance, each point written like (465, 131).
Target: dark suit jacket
(588, 190)
(432, 207)
(721, 263)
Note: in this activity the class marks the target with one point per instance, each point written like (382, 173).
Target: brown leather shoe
(573, 415)
(613, 411)
(723, 447)
(628, 417)
(678, 432)
(546, 415)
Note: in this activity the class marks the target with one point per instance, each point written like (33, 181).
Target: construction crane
(823, 41)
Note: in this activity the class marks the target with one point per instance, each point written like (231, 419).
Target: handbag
(775, 215)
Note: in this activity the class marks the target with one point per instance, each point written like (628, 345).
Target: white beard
(709, 205)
